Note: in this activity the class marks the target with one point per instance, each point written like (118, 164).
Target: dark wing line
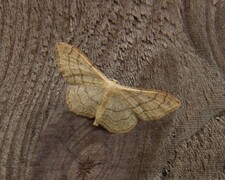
(133, 108)
(146, 110)
(81, 54)
(141, 90)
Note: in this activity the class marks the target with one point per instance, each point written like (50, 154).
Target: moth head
(115, 81)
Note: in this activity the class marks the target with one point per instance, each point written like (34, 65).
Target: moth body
(111, 87)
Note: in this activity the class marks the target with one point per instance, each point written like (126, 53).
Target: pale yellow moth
(115, 107)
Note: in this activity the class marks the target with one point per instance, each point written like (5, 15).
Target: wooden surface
(169, 45)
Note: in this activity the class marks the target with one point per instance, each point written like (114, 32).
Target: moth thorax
(112, 85)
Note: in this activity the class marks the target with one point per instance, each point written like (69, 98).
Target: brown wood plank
(169, 45)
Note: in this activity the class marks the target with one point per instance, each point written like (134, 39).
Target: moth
(115, 107)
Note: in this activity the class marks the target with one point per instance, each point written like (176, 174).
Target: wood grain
(176, 46)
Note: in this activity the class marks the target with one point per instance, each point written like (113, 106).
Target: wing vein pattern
(115, 107)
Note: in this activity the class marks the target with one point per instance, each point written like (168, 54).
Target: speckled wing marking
(116, 116)
(149, 105)
(75, 66)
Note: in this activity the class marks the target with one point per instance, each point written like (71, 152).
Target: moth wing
(75, 66)
(84, 99)
(149, 104)
(116, 116)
